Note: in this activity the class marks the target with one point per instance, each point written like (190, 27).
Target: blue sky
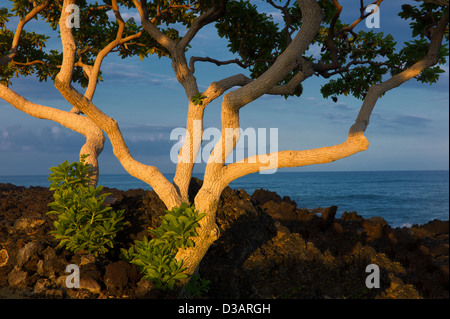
(409, 128)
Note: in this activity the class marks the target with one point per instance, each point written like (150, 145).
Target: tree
(364, 64)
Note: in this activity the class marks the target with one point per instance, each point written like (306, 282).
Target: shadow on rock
(268, 248)
(309, 253)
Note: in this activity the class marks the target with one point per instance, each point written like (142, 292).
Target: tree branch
(236, 99)
(15, 43)
(146, 173)
(287, 61)
(356, 141)
(362, 17)
(216, 89)
(151, 29)
(288, 29)
(217, 10)
(95, 69)
(345, 68)
(35, 62)
(378, 90)
(322, 68)
(216, 62)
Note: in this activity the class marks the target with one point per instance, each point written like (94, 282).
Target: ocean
(402, 198)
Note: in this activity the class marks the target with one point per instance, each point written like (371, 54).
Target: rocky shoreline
(268, 248)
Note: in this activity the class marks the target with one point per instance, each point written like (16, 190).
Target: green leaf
(180, 276)
(198, 98)
(84, 222)
(156, 257)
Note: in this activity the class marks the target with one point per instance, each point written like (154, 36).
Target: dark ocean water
(402, 198)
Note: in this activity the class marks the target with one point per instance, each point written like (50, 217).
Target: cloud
(315, 50)
(148, 128)
(51, 139)
(336, 112)
(327, 102)
(277, 17)
(152, 147)
(412, 123)
(338, 118)
(148, 139)
(135, 75)
(125, 15)
(446, 70)
(441, 85)
(135, 15)
(33, 90)
(342, 106)
(411, 120)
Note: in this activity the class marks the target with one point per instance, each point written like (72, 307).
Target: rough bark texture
(214, 183)
(146, 173)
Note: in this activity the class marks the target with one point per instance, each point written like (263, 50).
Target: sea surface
(402, 198)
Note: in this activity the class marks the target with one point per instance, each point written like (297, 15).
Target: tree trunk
(188, 153)
(205, 202)
(214, 182)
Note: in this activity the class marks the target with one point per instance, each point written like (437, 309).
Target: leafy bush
(156, 257)
(75, 175)
(197, 286)
(84, 221)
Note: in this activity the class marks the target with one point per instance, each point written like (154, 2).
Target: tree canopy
(360, 59)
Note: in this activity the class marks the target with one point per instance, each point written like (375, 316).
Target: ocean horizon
(402, 198)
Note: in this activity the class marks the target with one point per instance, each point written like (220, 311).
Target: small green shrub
(197, 286)
(75, 175)
(84, 221)
(156, 257)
